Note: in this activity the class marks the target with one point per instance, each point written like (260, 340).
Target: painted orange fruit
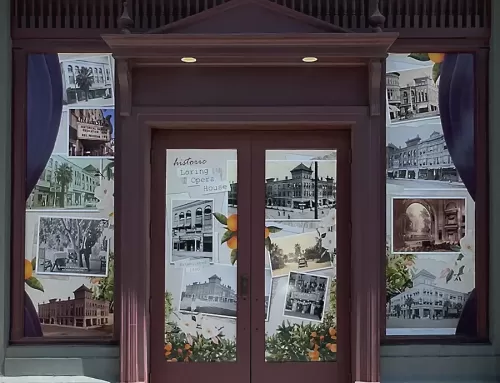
(232, 222)
(28, 270)
(266, 233)
(232, 243)
(437, 58)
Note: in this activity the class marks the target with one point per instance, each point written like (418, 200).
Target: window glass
(69, 246)
(430, 272)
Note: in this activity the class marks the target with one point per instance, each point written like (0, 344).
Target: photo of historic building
(66, 183)
(83, 311)
(426, 225)
(417, 156)
(87, 80)
(412, 94)
(211, 291)
(91, 133)
(192, 230)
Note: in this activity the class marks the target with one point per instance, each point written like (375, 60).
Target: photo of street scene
(192, 226)
(305, 296)
(418, 158)
(88, 80)
(427, 225)
(412, 94)
(211, 291)
(301, 252)
(72, 246)
(427, 292)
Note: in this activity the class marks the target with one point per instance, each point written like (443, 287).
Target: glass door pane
(301, 255)
(300, 239)
(200, 263)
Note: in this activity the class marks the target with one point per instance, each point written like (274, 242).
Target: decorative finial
(124, 21)
(376, 19)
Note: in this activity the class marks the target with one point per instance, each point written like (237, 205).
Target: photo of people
(305, 296)
(301, 252)
(91, 133)
(72, 246)
(427, 225)
(211, 291)
(192, 230)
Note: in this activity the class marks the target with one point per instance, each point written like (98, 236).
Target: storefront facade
(277, 116)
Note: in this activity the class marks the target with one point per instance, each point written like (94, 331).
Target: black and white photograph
(192, 226)
(300, 190)
(72, 246)
(430, 293)
(428, 225)
(300, 252)
(412, 94)
(211, 291)
(88, 80)
(91, 133)
(418, 158)
(67, 184)
(305, 296)
(267, 293)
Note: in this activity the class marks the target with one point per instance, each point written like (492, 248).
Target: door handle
(244, 286)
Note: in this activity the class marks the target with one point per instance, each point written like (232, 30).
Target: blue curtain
(457, 107)
(44, 105)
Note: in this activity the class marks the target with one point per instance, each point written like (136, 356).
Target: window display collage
(430, 273)
(202, 256)
(69, 261)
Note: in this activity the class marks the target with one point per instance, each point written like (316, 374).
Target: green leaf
(460, 257)
(221, 218)
(274, 229)
(449, 276)
(227, 236)
(419, 56)
(34, 284)
(268, 243)
(33, 263)
(234, 256)
(455, 248)
(436, 71)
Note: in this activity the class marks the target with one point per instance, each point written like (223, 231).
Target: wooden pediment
(249, 17)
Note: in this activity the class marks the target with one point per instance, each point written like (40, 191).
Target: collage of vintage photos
(69, 213)
(430, 214)
(202, 241)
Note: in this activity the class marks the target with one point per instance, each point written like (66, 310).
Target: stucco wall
(471, 363)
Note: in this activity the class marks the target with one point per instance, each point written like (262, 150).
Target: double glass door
(250, 256)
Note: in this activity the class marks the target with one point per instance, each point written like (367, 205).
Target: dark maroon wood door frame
(137, 133)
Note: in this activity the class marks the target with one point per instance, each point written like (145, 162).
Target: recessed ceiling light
(188, 60)
(309, 59)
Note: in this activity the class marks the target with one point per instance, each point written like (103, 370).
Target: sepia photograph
(418, 158)
(88, 80)
(211, 291)
(428, 225)
(267, 296)
(91, 133)
(72, 246)
(67, 184)
(305, 296)
(430, 293)
(412, 94)
(192, 226)
(301, 252)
